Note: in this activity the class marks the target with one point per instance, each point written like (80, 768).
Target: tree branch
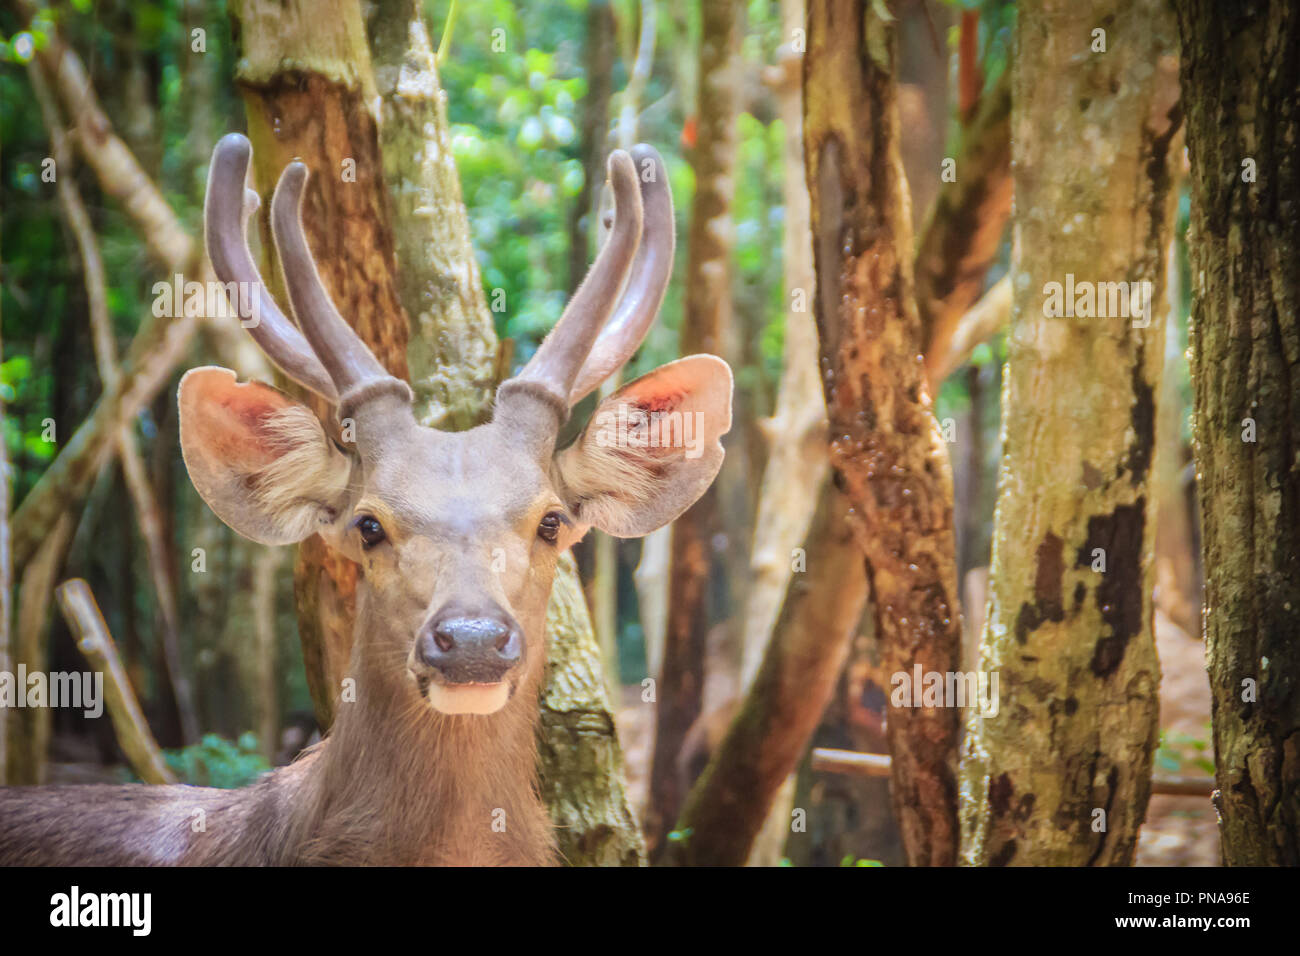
(134, 471)
(961, 239)
(94, 640)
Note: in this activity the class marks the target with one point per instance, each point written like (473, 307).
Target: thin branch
(962, 237)
(158, 348)
(120, 174)
(134, 471)
(638, 76)
(94, 641)
(851, 763)
(984, 319)
(161, 341)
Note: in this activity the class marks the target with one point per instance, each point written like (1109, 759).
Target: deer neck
(402, 783)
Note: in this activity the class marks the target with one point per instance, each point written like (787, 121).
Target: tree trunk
(1062, 775)
(704, 329)
(796, 432)
(886, 449)
(728, 806)
(1241, 88)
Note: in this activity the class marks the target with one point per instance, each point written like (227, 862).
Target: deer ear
(651, 448)
(261, 460)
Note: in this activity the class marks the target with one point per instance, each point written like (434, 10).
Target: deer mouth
(467, 698)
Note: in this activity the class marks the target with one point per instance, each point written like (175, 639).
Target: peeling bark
(886, 450)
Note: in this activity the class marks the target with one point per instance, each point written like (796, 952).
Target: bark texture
(451, 349)
(1241, 86)
(704, 329)
(1061, 775)
(886, 450)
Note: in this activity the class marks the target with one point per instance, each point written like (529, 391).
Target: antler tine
(556, 364)
(355, 371)
(227, 206)
(646, 285)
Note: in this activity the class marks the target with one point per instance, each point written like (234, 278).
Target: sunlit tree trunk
(1241, 90)
(795, 434)
(1062, 773)
(886, 449)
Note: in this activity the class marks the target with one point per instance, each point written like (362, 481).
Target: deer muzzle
(464, 660)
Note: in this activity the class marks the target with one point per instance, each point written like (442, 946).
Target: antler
(326, 356)
(624, 333)
(355, 371)
(227, 206)
(558, 360)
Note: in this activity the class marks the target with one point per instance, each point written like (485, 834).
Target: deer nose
(470, 648)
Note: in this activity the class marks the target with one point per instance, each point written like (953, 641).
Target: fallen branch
(94, 641)
(850, 763)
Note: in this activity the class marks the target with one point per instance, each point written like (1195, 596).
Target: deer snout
(470, 648)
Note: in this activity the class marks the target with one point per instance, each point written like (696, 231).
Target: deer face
(457, 534)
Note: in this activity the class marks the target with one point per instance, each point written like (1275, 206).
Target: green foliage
(217, 762)
(1180, 753)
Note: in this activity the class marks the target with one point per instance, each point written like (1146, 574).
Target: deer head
(457, 533)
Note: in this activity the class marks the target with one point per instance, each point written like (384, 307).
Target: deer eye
(372, 532)
(549, 529)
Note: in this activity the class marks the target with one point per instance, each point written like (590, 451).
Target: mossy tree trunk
(1241, 89)
(1061, 775)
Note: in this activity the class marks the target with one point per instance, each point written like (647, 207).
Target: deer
(457, 535)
